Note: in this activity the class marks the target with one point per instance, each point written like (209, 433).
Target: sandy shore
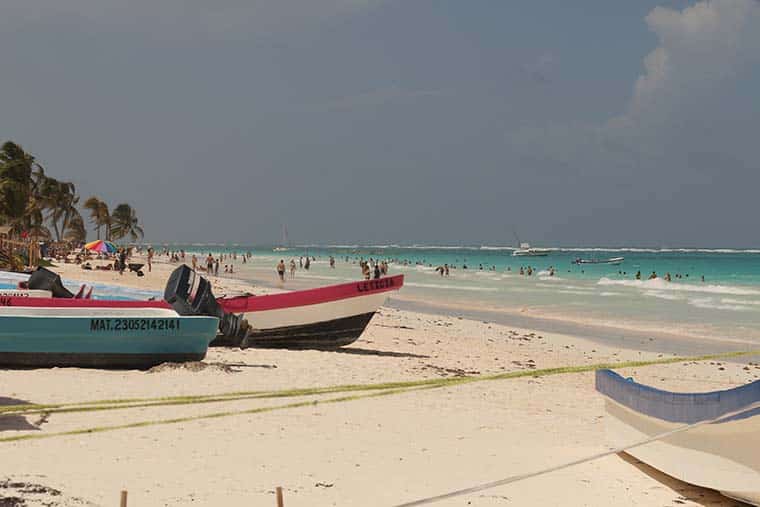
(345, 448)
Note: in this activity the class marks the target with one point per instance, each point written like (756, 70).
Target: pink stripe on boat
(311, 296)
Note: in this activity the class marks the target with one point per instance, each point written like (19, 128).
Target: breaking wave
(658, 284)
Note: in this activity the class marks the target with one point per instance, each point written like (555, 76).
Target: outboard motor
(44, 279)
(190, 294)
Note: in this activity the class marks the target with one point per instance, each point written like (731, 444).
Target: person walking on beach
(332, 262)
(377, 270)
(307, 264)
(209, 264)
(281, 270)
(150, 259)
(122, 260)
(292, 268)
(216, 267)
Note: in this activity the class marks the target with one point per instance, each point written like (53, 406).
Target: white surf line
(555, 468)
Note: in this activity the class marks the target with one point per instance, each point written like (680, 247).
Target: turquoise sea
(725, 305)
(598, 300)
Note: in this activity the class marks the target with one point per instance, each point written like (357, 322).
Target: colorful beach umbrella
(101, 246)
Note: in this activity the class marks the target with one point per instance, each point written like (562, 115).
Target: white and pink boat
(322, 318)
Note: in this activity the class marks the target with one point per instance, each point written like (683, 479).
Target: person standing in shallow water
(281, 270)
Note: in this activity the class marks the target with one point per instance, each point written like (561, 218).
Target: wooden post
(123, 499)
(280, 502)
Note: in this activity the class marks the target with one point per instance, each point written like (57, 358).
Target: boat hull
(82, 337)
(323, 318)
(724, 456)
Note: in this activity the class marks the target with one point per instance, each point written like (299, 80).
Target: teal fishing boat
(101, 337)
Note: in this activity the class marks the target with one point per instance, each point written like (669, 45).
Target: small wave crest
(450, 287)
(658, 284)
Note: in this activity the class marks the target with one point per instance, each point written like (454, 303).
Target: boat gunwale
(677, 407)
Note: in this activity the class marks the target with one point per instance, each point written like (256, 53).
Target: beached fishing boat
(43, 336)
(612, 260)
(724, 456)
(325, 317)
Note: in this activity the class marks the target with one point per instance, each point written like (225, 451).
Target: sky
(397, 121)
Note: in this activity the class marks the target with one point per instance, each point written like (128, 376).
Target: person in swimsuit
(281, 270)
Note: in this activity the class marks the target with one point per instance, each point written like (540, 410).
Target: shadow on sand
(696, 494)
(11, 422)
(382, 353)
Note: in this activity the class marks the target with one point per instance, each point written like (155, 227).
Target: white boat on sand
(723, 455)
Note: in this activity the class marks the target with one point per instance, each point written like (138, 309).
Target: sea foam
(659, 284)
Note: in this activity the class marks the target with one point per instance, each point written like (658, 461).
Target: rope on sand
(377, 390)
(215, 415)
(521, 477)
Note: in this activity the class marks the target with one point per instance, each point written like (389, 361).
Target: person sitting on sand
(667, 276)
(281, 270)
(653, 275)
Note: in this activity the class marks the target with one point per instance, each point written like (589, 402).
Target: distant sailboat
(285, 245)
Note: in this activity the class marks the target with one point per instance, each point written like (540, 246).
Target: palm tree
(125, 223)
(75, 231)
(99, 215)
(18, 179)
(59, 199)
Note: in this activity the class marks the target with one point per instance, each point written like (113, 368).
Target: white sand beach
(348, 447)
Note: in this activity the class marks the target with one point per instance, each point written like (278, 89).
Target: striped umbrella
(101, 246)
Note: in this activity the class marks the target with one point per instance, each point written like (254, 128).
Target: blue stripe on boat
(684, 408)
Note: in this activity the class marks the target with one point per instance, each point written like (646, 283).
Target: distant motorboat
(720, 455)
(526, 250)
(612, 260)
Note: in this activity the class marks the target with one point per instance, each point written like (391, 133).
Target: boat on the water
(45, 336)
(525, 250)
(612, 260)
(321, 318)
(722, 455)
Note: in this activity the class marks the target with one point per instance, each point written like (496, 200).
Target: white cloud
(700, 47)
(683, 102)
